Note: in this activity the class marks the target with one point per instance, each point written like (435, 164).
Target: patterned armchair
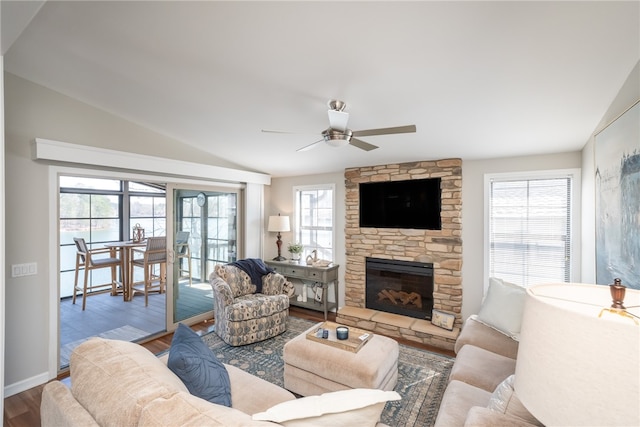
(243, 316)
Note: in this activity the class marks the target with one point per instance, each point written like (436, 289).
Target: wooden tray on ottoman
(352, 344)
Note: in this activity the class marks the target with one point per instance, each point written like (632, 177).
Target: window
(214, 218)
(314, 219)
(93, 208)
(148, 208)
(530, 235)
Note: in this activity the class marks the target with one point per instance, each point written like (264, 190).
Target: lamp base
(279, 258)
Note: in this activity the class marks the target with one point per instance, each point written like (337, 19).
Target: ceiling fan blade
(362, 145)
(288, 132)
(338, 120)
(385, 131)
(310, 146)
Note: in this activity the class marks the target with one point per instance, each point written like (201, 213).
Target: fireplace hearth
(400, 287)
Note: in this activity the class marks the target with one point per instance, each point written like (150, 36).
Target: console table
(321, 276)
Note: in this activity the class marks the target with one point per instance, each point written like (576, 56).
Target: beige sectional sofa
(480, 390)
(118, 383)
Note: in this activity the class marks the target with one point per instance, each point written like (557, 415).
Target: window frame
(297, 229)
(575, 208)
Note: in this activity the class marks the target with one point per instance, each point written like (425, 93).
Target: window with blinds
(314, 219)
(530, 229)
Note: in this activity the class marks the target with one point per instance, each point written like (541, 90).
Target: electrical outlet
(27, 269)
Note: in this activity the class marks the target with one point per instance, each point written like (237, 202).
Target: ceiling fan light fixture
(336, 142)
(336, 105)
(336, 138)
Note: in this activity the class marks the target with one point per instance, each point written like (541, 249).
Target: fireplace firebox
(400, 287)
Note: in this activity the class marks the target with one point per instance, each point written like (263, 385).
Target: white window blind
(530, 230)
(314, 219)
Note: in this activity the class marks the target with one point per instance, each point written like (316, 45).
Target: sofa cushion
(484, 417)
(502, 307)
(481, 368)
(457, 399)
(186, 410)
(245, 387)
(113, 380)
(477, 333)
(354, 407)
(505, 401)
(196, 365)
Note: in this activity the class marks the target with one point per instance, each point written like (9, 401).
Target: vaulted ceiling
(478, 79)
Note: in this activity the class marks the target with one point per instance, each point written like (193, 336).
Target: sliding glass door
(205, 233)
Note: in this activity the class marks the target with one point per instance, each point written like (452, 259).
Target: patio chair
(183, 251)
(155, 254)
(94, 259)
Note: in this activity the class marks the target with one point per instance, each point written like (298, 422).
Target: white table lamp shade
(278, 223)
(573, 367)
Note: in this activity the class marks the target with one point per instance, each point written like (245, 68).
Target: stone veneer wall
(442, 247)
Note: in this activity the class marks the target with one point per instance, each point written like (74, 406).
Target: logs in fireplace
(400, 287)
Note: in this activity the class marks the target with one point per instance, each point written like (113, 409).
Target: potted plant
(295, 249)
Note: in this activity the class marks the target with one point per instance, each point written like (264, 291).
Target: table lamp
(278, 224)
(579, 355)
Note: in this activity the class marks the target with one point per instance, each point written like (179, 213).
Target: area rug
(124, 333)
(422, 375)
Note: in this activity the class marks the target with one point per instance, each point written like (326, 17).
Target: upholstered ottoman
(313, 368)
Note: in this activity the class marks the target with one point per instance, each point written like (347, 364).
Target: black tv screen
(401, 204)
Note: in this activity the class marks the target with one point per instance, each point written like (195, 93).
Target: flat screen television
(401, 204)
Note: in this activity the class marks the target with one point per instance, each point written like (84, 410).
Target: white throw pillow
(505, 401)
(355, 407)
(502, 307)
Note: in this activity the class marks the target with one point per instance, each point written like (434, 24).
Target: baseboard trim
(26, 384)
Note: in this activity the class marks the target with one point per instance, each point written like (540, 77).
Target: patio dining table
(125, 248)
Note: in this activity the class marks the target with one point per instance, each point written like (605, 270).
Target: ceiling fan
(338, 135)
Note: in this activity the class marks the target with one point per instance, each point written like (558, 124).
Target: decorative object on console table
(295, 249)
(320, 277)
(278, 224)
(577, 363)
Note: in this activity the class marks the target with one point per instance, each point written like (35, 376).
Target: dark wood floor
(23, 409)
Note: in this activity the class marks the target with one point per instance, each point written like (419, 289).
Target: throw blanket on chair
(255, 268)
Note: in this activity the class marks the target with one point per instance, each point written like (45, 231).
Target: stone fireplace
(401, 287)
(441, 248)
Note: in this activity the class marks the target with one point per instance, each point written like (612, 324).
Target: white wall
(32, 111)
(627, 96)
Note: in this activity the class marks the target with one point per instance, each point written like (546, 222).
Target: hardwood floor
(23, 409)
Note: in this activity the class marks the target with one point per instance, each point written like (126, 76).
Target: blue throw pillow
(198, 368)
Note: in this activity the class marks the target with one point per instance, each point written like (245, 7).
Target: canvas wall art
(617, 183)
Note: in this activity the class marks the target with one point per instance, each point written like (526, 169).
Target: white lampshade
(575, 368)
(278, 223)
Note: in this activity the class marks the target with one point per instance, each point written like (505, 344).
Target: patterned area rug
(124, 333)
(422, 375)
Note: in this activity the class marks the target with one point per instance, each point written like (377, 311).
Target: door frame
(171, 222)
(54, 172)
